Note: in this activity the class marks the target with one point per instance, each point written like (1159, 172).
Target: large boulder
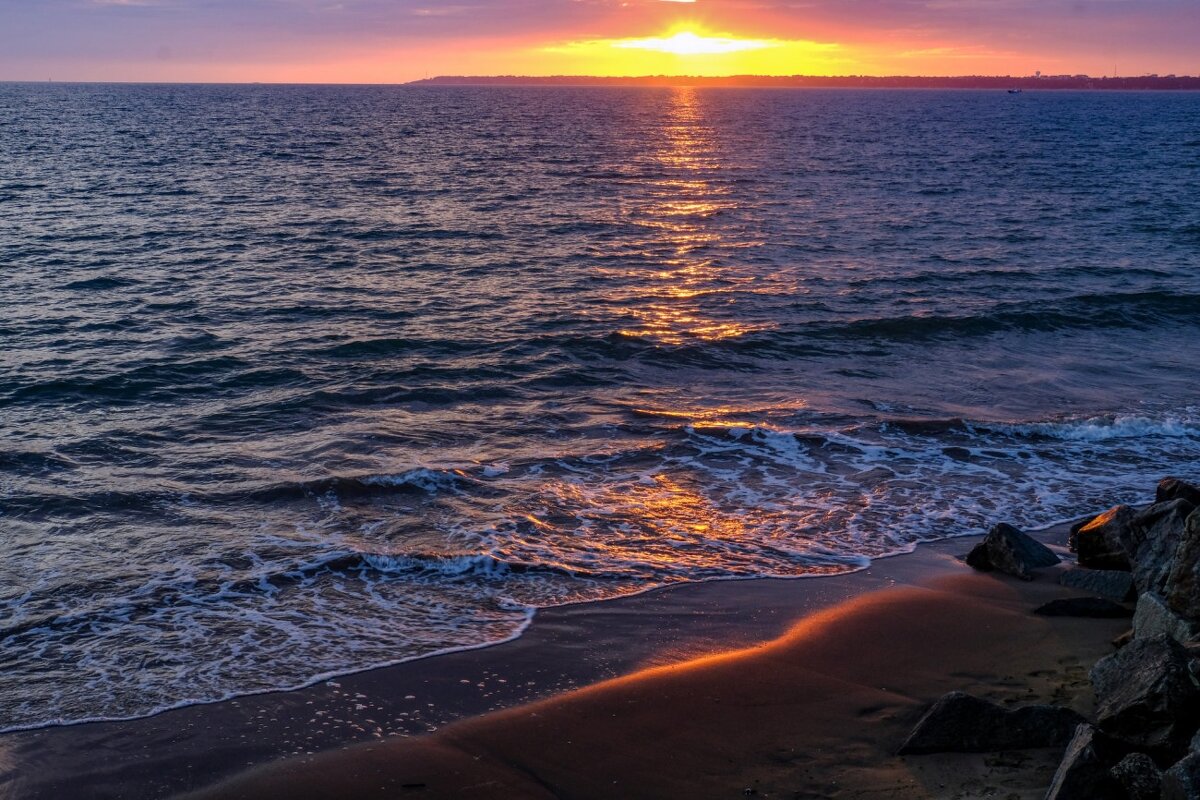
(960, 723)
(1182, 781)
(1155, 535)
(1111, 583)
(1085, 770)
(1104, 542)
(1138, 776)
(1007, 550)
(1146, 696)
(1183, 583)
(1175, 489)
(1153, 617)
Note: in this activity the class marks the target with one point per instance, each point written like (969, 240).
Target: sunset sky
(400, 40)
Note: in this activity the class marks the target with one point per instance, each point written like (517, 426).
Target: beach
(800, 688)
(349, 427)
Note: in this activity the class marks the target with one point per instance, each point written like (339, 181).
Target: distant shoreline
(1081, 82)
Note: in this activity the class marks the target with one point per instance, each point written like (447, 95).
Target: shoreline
(818, 711)
(534, 613)
(566, 648)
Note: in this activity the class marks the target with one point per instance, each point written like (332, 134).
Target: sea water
(296, 381)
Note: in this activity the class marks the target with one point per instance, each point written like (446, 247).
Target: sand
(817, 712)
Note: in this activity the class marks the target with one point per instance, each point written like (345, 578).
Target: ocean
(297, 381)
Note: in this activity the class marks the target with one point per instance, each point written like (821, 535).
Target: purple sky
(402, 39)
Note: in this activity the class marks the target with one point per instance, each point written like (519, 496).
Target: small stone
(1146, 696)
(1175, 489)
(1103, 543)
(1111, 583)
(1182, 781)
(960, 723)
(1010, 551)
(1096, 607)
(1155, 536)
(1084, 772)
(1183, 584)
(1124, 639)
(1153, 618)
(1139, 776)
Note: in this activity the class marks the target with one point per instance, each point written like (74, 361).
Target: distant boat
(1015, 91)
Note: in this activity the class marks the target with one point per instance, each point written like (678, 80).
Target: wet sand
(786, 688)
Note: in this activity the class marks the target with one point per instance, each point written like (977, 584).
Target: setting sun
(688, 49)
(687, 43)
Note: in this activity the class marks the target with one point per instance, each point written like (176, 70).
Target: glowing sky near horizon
(401, 40)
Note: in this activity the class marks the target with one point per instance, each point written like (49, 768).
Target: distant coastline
(1142, 83)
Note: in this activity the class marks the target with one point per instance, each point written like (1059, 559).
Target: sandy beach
(818, 712)
(801, 688)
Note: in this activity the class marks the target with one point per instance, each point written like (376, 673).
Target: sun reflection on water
(666, 303)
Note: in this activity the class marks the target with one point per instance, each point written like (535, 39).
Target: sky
(391, 41)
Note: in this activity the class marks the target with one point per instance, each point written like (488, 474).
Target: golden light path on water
(665, 519)
(681, 200)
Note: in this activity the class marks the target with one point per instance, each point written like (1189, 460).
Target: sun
(689, 43)
(689, 49)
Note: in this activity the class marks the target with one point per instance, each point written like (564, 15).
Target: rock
(1084, 772)
(1146, 696)
(1008, 550)
(1183, 583)
(1113, 584)
(1103, 543)
(1096, 607)
(1154, 537)
(1138, 776)
(1175, 489)
(1153, 618)
(1182, 781)
(960, 723)
(1124, 639)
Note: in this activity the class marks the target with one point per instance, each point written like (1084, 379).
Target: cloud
(1079, 35)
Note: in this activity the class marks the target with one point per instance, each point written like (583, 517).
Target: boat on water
(1015, 91)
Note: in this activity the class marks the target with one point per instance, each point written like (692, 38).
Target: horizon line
(510, 78)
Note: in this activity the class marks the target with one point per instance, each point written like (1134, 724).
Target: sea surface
(296, 381)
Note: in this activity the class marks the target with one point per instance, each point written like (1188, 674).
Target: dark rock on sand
(1146, 696)
(1113, 584)
(1155, 536)
(1153, 618)
(1183, 584)
(1010, 551)
(1138, 776)
(1175, 489)
(1104, 542)
(1084, 772)
(1182, 781)
(960, 723)
(1097, 607)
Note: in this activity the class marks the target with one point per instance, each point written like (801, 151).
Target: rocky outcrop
(1097, 607)
(1104, 542)
(1155, 535)
(1085, 772)
(1008, 550)
(960, 723)
(1146, 696)
(1147, 693)
(1153, 618)
(1113, 584)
